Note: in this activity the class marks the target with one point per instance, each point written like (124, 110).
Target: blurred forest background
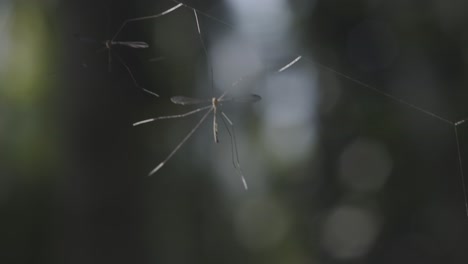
(337, 172)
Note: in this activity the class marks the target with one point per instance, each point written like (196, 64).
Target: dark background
(73, 184)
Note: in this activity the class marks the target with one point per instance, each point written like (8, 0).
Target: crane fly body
(215, 103)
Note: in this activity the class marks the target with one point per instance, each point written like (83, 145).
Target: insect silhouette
(214, 106)
(112, 43)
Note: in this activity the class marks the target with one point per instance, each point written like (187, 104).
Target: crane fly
(109, 44)
(215, 108)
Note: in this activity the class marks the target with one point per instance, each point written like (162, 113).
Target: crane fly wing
(248, 98)
(182, 100)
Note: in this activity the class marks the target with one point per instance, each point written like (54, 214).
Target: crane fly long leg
(133, 78)
(204, 48)
(144, 18)
(460, 165)
(181, 143)
(290, 64)
(171, 116)
(234, 152)
(214, 104)
(215, 126)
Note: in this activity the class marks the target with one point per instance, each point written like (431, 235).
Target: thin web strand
(388, 95)
(181, 143)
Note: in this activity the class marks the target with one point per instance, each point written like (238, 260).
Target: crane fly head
(214, 102)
